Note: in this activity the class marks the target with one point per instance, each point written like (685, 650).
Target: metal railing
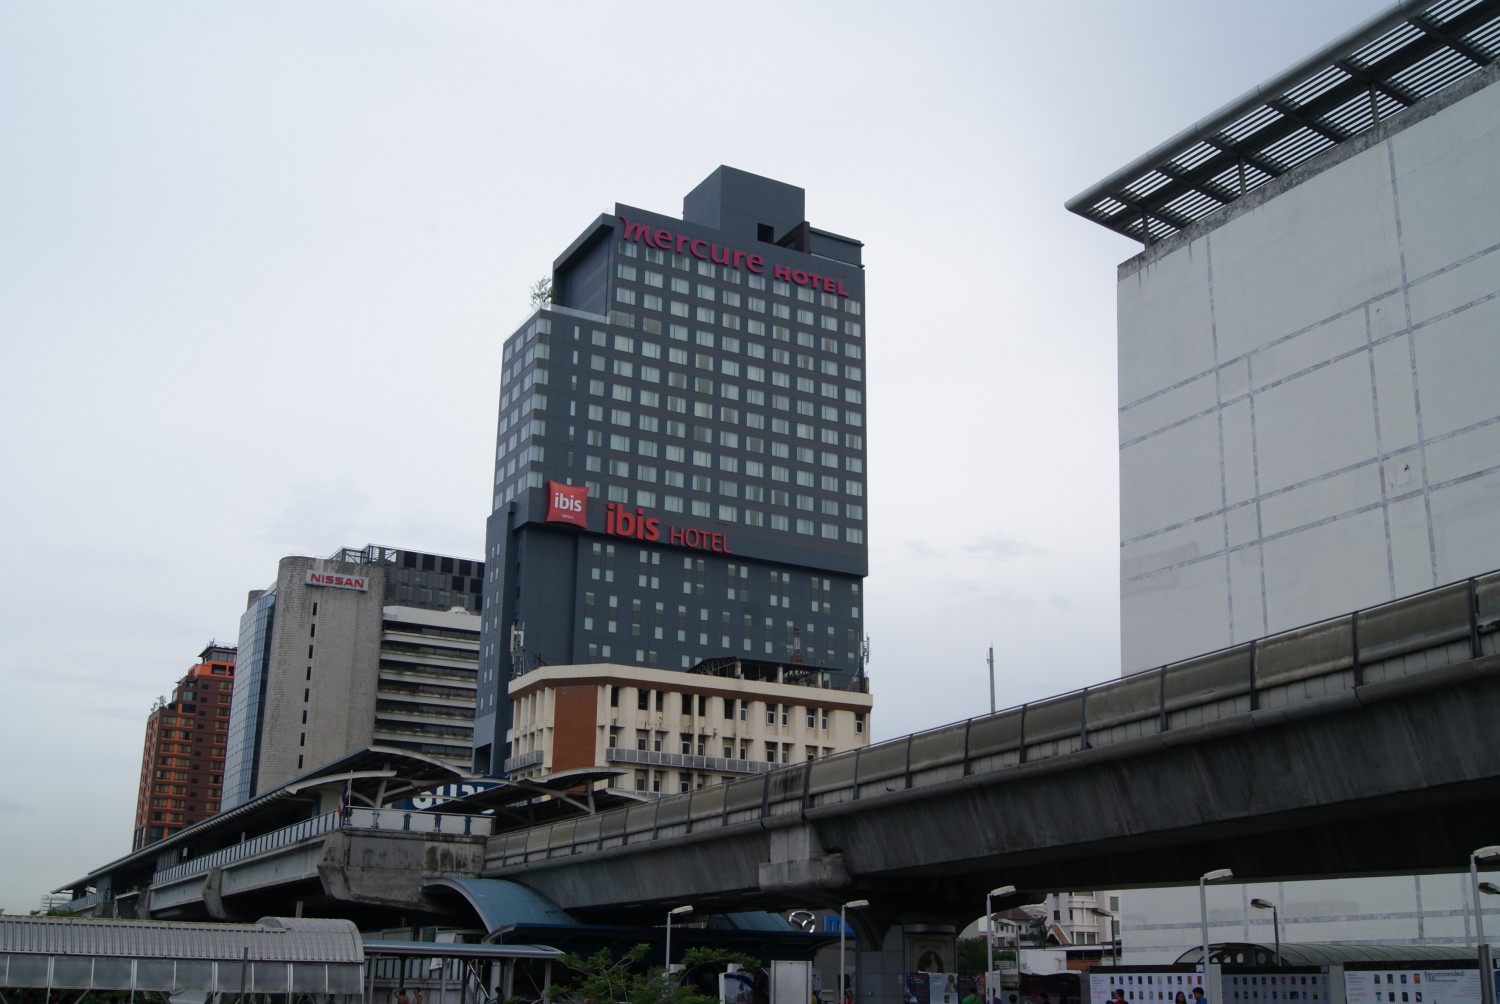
(1405, 638)
(390, 820)
(724, 765)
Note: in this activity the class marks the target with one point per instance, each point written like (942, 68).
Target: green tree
(970, 956)
(602, 979)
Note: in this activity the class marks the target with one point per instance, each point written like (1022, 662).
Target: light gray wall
(1160, 924)
(340, 696)
(1309, 404)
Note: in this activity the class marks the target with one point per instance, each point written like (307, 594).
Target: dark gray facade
(702, 380)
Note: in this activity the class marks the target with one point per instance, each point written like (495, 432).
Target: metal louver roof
(1414, 50)
(280, 939)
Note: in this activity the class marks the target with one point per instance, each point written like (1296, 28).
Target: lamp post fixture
(675, 912)
(1265, 904)
(1486, 974)
(989, 927)
(1217, 875)
(853, 904)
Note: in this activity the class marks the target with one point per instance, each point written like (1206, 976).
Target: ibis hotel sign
(334, 580)
(569, 504)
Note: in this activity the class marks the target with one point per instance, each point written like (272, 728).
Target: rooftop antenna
(518, 648)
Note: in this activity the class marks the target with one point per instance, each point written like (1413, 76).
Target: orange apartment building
(182, 763)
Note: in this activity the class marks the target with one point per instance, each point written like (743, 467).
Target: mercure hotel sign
(704, 250)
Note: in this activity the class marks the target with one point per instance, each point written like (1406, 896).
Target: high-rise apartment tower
(680, 459)
(182, 760)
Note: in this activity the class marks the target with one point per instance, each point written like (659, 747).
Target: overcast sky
(257, 262)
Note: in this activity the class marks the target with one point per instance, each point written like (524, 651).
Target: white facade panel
(1463, 515)
(1169, 300)
(1161, 924)
(1165, 466)
(1449, 187)
(1458, 363)
(1324, 247)
(1317, 423)
(1343, 558)
(1309, 417)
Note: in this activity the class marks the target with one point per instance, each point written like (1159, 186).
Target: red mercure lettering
(694, 249)
(718, 255)
(756, 264)
(682, 239)
(638, 232)
(828, 285)
(841, 288)
(781, 272)
(664, 239)
(739, 256)
(799, 277)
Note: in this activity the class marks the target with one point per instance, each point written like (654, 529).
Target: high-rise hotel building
(680, 461)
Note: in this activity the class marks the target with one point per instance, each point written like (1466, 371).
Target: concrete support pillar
(800, 865)
(881, 972)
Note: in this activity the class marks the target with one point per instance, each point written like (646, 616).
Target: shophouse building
(680, 456)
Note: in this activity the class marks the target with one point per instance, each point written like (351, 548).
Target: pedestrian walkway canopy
(281, 957)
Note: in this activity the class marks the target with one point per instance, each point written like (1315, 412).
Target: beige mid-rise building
(674, 731)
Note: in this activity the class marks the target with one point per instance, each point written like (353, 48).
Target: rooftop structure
(1343, 91)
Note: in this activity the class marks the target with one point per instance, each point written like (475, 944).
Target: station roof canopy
(532, 801)
(1415, 49)
(374, 775)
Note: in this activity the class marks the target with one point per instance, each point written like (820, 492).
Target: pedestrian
(1180, 998)
(1197, 995)
(972, 997)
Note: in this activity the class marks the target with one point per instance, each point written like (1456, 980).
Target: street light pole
(1486, 974)
(1265, 904)
(853, 904)
(1217, 875)
(989, 914)
(675, 912)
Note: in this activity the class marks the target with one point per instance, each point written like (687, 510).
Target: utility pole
(992, 679)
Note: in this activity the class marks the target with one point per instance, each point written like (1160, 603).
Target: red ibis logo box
(567, 503)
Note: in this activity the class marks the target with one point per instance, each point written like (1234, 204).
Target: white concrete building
(672, 731)
(1309, 413)
(1309, 422)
